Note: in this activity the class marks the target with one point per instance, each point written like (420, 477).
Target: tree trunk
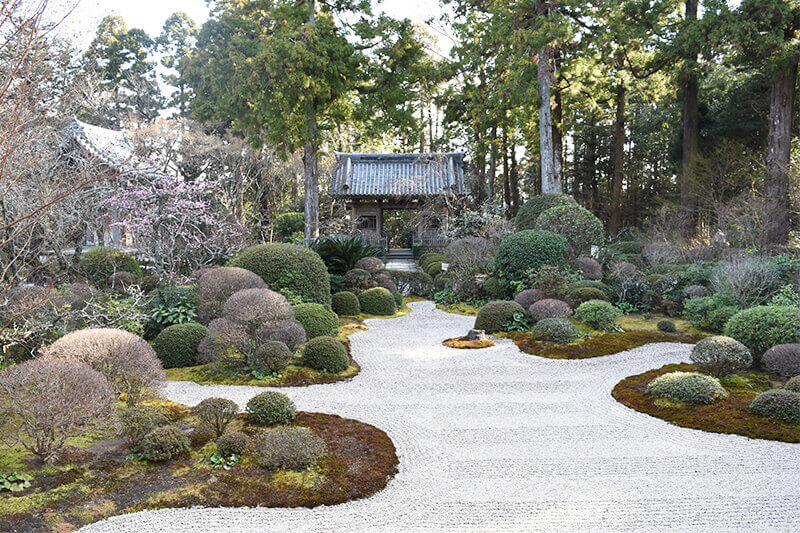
(776, 187)
(310, 179)
(615, 218)
(492, 160)
(506, 175)
(691, 121)
(550, 182)
(558, 143)
(514, 181)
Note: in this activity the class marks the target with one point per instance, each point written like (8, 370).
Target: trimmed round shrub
(494, 316)
(216, 285)
(316, 319)
(528, 297)
(271, 357)
(357, 279)
(666, 325)
(289, 332)
(793, 384)
(373, 265)
(345, 303)
(377, 301)
(337, 284)
(584, 283)
(783, 359)
(214, 414)
(687, 387)
(295, 271)
(577, 296)
(288, 224)
(695, 291)
(138, 421)
(783, 405)
(530, 210)
(254, 306)
(434, 268)
(176, 346)
(529, 249)
(558, 330)
(720, 356)
(495, 288)
(233, 443)
(760, 328)
(385, 281)
(549, 308)
(427, 259)
(576, 224)
(98, 264)
(590, 268)
(164, 443)
(271, 408)
(412, 283)
(598, 314)
(325, 354)
(398, 299)
(289, 448)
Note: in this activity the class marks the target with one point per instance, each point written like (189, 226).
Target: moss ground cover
(464, 344)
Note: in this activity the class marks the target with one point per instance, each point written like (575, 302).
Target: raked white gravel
(498, 440)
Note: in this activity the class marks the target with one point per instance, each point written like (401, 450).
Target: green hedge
(176, 346)
(377, 301)
(345, 303)
(494, 316)
(530, 210)
(325, 354)
(529, 249)
(760, 328)
(98, 264)
(316, 319)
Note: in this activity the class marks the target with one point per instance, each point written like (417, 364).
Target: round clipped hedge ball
(271, 357)
(760, 328)
(598, 314)
(98, 264)
(530, 210)
(325, 354)
(176, 345)
(164, 443)
(793, 384)
(583, 294)
(316, 319)
(688, 387)
(373, 265)
(720, 355)
(345, 303)
(549, 308)
(576, 224)
(666, 325)
(271, 408)
(783, 359)
(528, 297)
(494, 316)
(377, 301)
(528, 250)
(558, 330)
(783, 405)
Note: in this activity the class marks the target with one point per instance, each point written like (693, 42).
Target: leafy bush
(720, 356)
(787, 295)
(433, 268)
(585, 283)
(428, 258)
(528, 297)
(549, 308)
(164, 443)
(214, 414)
(666, 326)
(289, 332)
(631, 291)
(552, 280)
(558, 330)
(760, 328)
(149, 283)
(710, 313)
(377, 301)
(98, 264)
(45, 401)
(170, 306)
(325, 354)
(345, 303)
(271, 408)
(687, 387)
(215, 286)
(270, 357)
(495, 287)
(577, 225)
(289, 448)
(341, 253)
(412, 283)
(176, 346)
(793, 384)
(598, 314)
(746, 281)
(316, 319)
(778, 404)
(338, 283)
(294, 271)
(590, 268)
(783, 359)
(398, 299)
(529, 250)
(471, 253)
(493, 316)
(577, 296)
(373, 265)
(529, 211)
(233, 443)
(695, 291)
(287, 224)
(140, 420)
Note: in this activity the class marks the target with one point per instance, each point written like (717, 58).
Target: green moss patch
(460, 308)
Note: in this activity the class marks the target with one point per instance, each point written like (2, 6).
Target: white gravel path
(497, 440)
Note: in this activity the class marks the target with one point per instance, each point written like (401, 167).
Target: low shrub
(427, 259)
(530, 210)
(552, 280)
(171, 305)
(289, 332)
(495, 288)
(338, 283)
(590, 268)
(289, 448)
(577, 296)
(98, 264)
(687, 387)
(325, 354)
(271, 408)
(176, 346)
(471, 253)
(398, 299)
(316, 319)
(384, 280)
(373, 265)
(345, 303)
(120, 282)
(288, 224)
(558, 330)
(585, 283)
(623, 269)
(720, 356)
(377, 301)
(214, 414)
(164, 443)
(793, 384)
(576, 224)
(760, 328)
(412, 283)
(250, 307)
(357, 279)
(783, 359)
(493, 316)
(709, 313)
(433, 268)
(779, 404)
(215, 286)
(598, 314)
(528, 250)
(666, 326)
(271, 357)
(233, 443)
(528, 297)
(627, 247)
(746, 281)
(549, 308)
(140, 420)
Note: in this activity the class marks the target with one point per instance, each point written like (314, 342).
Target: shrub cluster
(598, 314)
(549, 308)
(709, 313)
(687, 387)
(377, 301)
(345, 303)
(358, 280)
(215, 286)
(270, 357)
(760, 328)
(98, 264)
(289, 448)
(325, 354)
(666, 326)
(558, 330)
(783, 359)
(530, 210)
(412, 283)
(528, 297)
(783, 405)
(232, 443)
(164, 443)
(576, 224)
(271, 408)
(214, 414)
(528, 250)
(138, 421)
(471, 253)
(383, 279)
(176, 346)
(578, 296)
(316, 319)
(720, 356)
(747, 281)
(493, 316)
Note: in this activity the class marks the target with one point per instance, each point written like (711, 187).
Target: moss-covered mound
(597, 346)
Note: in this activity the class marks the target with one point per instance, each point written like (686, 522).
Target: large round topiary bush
(549, 308)
(290, 448)
(373, 265)
(176, 345)
(760, 328)
(270, 357)
(783, 405)
(598, 314)
(529, 250)
(583, 294)
(98, 264)
(316, 319)
(271, 408)
(295, 271)
(494, 316)
(558, 330)
(576, 224)
(530, 210)
(325, 354)
(720, 356)
(234, 442)
(783, 359)
(345, 303)
(687, 387)
(216, 285)
(164, 443)
(528, 297)
(377, 301)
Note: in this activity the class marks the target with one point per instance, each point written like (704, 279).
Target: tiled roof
(398, 175)
(110, 147)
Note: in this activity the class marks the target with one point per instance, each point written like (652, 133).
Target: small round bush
(98, 264)
(576, 224)
(233, 443)
(149, 283)
(590, 268)
(164, 443)
(599, 285)
(760, 328)
(793, 384)
(373, 265)
(316, 319)
(720, 356)
(494, 316)
(325, 354)
(598, 314)
(176, 345)
(433, 268)
(377, 301)
(558, 330)
(254, 306)
(549, 308)
(271, 357)
(577, 296)
(357, 279)
(528, 297)
(529, 249)
(216, 285)
(345, 303)
(687, 387)
(783, 405)
(337, 283)
(398, 299)
(294, 271)
(271, 408)
(783, 359)
(289, 448)
(138, 421)
(495, 287)
(666, 325)
(289, 332)
(214, 414)
(385, 281)
(530, 210)
(427, 259)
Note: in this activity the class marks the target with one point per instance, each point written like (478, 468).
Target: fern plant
(341, 252)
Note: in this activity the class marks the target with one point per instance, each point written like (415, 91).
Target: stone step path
(401, 259)
(497, 440)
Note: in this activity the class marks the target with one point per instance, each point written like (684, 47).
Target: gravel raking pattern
(498, 440)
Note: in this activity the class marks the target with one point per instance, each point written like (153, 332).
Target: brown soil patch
(463, 343)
